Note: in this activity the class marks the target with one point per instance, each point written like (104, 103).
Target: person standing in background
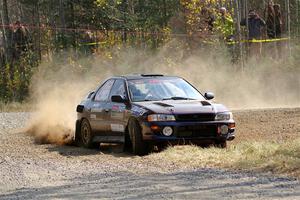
(278, 30)
(269, 15)
(224, 24)
(255, 25)
(20, 40)
(278, 21)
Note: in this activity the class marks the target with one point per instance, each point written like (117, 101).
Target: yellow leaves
(105, 3)
(101, 3)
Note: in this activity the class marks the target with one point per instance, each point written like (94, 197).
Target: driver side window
(118, 88)
(103, 92)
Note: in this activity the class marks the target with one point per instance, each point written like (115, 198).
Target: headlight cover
(225, 116)
(160, 118)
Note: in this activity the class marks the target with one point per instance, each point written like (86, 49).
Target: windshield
(157, 89)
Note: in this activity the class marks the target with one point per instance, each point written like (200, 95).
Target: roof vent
(205, 103)
(163, 104)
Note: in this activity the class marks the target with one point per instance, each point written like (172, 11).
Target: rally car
(151, 110)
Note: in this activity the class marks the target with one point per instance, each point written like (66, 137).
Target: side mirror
(90, 94)
(79, 108)
(118, 99)
(209, 95)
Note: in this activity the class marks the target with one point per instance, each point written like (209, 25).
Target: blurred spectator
(255, 25)
(269, 14)
(19, 39)
(88, 43)
(278, 20)
(224, 24)
(225, 27)
(278, 30)
(207, 20)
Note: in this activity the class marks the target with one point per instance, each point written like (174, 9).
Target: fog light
(224, 129)
(167, 131)
(231, 126)
(154, 128)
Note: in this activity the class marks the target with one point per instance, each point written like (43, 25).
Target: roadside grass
(15, 107)
(275, 157)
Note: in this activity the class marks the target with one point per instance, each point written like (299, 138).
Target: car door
(99, 108)
(117, 111)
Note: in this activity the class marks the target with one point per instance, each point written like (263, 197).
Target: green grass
(278, 158)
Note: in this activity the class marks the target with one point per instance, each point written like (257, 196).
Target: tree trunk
(7, 32)
(63, 24)
(239, 48)
(288, 24)
(38, 30)
(164, 14)
(297, 18)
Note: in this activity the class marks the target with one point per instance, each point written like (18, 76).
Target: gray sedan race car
(149, 110)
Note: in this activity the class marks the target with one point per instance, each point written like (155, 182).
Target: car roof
(144, 76)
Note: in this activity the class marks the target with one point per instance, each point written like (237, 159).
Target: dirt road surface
(32, 171)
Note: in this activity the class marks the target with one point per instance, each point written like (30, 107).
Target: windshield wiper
(178, 98)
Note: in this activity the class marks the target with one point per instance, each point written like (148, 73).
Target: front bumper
(188, 131)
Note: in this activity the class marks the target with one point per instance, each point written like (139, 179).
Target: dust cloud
(60, 83)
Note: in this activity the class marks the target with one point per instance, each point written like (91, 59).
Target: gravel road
(29, 170)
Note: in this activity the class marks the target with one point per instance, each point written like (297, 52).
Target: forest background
(85, 33)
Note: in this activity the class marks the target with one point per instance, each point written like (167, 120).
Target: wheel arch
(132, 118)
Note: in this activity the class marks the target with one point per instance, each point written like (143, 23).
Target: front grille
(197, 131)
(195, 117)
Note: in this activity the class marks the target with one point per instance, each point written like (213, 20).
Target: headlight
(160, 117)
(224, 116)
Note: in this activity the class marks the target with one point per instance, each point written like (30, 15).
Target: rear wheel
(86, 137)
(139, 147)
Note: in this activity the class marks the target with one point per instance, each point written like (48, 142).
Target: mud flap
(77, 132)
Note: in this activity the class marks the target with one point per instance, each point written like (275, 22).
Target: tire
(221, 144)
(161, 147)
(139, 147)
(86, 137)
(77, 134)
(127, 144)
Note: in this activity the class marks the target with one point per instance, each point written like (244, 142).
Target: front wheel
(139, 147)
(86, 137)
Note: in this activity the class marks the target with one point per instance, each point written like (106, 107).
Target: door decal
(117, 128)
(93, 116)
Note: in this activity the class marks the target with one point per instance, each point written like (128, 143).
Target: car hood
(182, 106)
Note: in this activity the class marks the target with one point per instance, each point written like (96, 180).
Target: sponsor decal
(96, 110)
(117, 128)
(154, 81)
(138, 111)
(115, 108)
(117, 112)
(93, 116)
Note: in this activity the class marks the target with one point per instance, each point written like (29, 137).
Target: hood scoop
(163, 104)
(205, 103)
